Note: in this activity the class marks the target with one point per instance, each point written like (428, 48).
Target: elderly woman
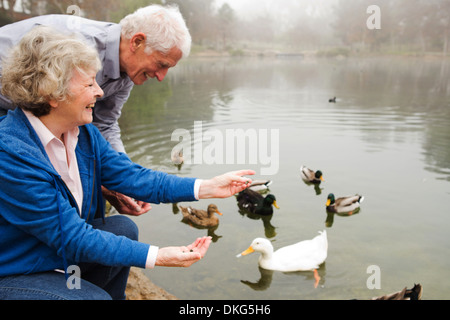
(53, 162)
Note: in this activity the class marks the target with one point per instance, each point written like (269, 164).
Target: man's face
(140, 66)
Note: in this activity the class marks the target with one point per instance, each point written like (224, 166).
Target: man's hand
(125, 204)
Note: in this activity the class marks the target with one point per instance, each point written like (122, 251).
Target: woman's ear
(137, 41)
(53, 103)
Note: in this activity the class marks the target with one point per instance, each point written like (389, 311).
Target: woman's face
(76, 110)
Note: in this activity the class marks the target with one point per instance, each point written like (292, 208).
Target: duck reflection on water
(266, 276)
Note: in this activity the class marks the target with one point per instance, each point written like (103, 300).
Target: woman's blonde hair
(40, 67)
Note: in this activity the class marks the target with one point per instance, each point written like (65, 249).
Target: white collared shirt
(61, 154)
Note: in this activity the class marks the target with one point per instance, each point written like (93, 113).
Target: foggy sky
(279, 8)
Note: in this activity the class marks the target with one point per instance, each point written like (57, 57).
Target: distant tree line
(406, 25)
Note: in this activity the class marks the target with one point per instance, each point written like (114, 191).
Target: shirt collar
(111, 65)
(45, 135)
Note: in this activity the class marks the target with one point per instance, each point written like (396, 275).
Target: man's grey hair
(164, 27)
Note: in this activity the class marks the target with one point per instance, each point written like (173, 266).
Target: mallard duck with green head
(346, 204)
(311, 176)
(256, 203)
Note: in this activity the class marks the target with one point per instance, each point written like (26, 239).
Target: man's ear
(137, 41)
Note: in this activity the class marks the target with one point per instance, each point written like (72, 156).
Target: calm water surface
(387, 137)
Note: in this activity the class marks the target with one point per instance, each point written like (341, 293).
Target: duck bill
(219, 213)
(328, 202)
(321, 178)
(248, 251)
(276, 205)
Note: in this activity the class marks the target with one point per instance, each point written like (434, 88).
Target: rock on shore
(139, 287)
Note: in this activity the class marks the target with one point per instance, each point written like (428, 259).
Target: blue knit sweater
(41, 227)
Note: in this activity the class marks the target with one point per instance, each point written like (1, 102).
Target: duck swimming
(305, 255)
(177, 157)
(415, 293)
(260, 185)
(311, 176)
(343, 204)
(256, 203)
(201, 217)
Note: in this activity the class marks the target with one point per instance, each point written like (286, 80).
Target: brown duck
(406, 294)
(201, 217)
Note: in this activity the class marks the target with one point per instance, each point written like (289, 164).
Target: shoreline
(140, 287)
(326, 53)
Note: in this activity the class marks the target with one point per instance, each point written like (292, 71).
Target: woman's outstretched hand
(225, 185)
(183, 256)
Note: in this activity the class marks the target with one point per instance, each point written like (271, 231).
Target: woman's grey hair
(40, 67)
(163, 26)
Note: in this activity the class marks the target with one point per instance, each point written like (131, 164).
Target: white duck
(305, 255)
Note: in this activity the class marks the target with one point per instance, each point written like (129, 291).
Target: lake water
(387, 137)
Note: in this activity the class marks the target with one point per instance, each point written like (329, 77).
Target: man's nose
(161, 74)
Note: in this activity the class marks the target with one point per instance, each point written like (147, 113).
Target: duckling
(254, 202)
(201, 217)
(311, 176)
(260, 185)
(343, 204)
(305, 255)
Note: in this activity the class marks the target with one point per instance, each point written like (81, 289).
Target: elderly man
(143, 45)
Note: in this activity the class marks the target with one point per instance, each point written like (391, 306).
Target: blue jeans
(97, 282)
